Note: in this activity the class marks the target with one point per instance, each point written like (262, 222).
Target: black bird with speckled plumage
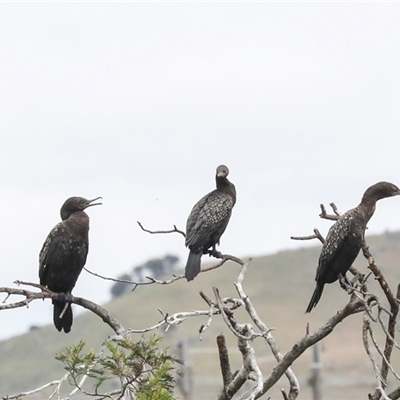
(345, 238)
(63, 256)
(208, 221)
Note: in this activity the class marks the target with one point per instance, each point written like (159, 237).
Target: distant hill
(280, 286)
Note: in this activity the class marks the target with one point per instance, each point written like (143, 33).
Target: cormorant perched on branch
(63, 256)
(208, 221)
(345, 238)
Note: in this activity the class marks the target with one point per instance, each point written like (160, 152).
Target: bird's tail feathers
(315, 297)
(192, 266)
(66, 321)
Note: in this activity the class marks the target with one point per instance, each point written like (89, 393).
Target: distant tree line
(156, 267)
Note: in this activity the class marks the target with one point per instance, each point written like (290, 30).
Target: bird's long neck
(78, 225)
(367, 208)
(224, 185)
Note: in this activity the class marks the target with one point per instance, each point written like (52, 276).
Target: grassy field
(280, 287)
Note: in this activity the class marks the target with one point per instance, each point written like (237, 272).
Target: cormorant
(63, 256)
(208, 221)
(345, 238)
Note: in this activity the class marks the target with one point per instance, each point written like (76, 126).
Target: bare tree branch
(205, 326)
(175, 230)
(325, 215)
(394, 310)
(37, 390)
(266, 332)
(354, 306)
(179, 317)
(230, 320)
(224, 258)
(385, 360)
(47, 294)
(384, 328)
(317, 235)
(285, 396)
(224, 360)
(379, 379)
(107, 278)
(250, 363)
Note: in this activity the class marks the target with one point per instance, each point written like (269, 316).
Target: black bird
(208, 221)
(345, 238)
(63, 256)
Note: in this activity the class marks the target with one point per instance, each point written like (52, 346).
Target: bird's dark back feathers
(64, 254)
(208, 220)
(345, 238)
(210, 215)
(341, 246)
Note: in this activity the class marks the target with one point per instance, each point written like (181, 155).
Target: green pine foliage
(140, 367)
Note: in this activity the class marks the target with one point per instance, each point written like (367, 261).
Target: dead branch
(380, 382)
(266, 332)
(317, 235)
(236, 303)
(249, 369)
(285, 396)
(394, 310)
(205, 326)
(249, 362)
(47, 294)
(37, 390)
(374, 342)
(237, 382)
(206, 299)
(379, 276)
(230, 320)
(224, 258)
(107, 278)
(224, 360)
(354, 306)
(324, 215)
(175, 230)
(384, 328)
(179, 317)
(331, 217)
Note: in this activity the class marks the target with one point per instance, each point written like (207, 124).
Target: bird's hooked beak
(222, 174)
(90, 203)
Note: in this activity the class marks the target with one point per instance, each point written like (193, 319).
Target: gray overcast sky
(140, 102)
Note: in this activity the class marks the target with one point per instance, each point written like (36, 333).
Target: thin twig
(30, 392)
(379, 379)
(317, 235)
(175, 230)
(371, 334)
(150, 280)
(332, 217)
